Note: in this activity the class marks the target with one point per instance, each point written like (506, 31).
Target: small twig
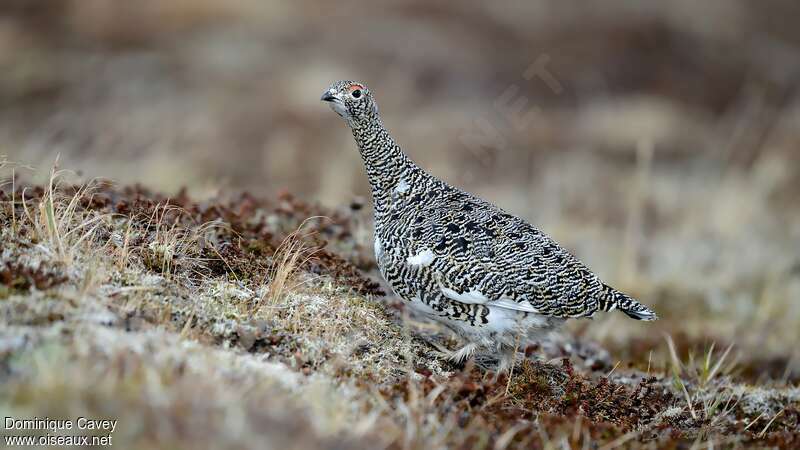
(513, 363)
(764, 431)
(225, 261)
(719, 363)
(688, 399)
(13, 202)
(187, 326)
(614, 368)
(677, 367)
(788, 370)
(754, 421)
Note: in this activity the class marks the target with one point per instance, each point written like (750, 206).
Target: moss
(168, 321)
(26, 274)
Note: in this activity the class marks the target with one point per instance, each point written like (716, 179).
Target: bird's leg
(445, 353)
(507, 359)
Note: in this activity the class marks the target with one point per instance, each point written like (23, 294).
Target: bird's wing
(501, 260)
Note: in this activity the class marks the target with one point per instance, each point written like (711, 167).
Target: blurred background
(658, 140)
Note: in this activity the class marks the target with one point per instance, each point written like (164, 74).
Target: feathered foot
(464, 353)
(507, 360)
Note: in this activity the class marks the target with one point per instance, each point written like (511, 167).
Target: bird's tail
(614, 299)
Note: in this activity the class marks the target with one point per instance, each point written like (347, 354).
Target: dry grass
(290, 256)
(667, 162)
(696, 380)
(228, 320)
(56, 224)
(194, 347)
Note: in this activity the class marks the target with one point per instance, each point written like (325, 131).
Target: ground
(230, 298)
(242, 323)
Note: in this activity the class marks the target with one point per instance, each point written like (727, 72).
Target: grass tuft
(159, 299)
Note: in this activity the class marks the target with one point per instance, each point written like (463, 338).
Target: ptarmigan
(489, 276)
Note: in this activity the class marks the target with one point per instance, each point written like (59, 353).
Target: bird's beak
(336, 103)
(327, 96)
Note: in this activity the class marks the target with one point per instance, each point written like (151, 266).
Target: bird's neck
(385, 162)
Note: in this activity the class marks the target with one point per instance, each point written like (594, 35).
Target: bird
(489, 276)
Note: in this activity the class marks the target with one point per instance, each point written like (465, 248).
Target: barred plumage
(490, 276)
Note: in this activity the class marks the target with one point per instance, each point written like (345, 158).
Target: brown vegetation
(183, 291)
(244, 311)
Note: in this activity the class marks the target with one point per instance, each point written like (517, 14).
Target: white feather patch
(378, 248)
(516, 306)
(421, 259)
(472, 297)
(402, 187)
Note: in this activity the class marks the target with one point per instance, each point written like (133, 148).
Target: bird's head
(351, 100)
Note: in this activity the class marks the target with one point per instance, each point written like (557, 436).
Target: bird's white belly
(511, 328)
(503, 320)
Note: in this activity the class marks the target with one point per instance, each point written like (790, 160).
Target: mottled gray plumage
(494, 279)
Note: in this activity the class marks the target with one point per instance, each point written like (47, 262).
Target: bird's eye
(356, 93)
